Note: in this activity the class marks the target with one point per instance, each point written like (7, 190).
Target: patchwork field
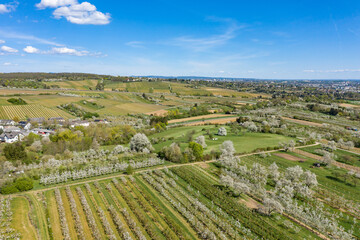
(243, 142)
(30, 111)
(174, 203)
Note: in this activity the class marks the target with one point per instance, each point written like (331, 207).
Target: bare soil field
(338, 164)
(348, 105)
(303, 122)
(290, 157)
(197, 118)
(212, 121)
(160, 113)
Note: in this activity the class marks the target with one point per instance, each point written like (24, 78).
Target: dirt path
(335, 163)
(303, 122)
(198, 118)
(145, 170)
(290, 157)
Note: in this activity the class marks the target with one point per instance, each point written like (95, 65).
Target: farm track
(335, 163)
(303, 122)
(146, 170)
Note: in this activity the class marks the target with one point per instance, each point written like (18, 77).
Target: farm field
(30, 111)
(159, 204)
(244, 142)
(197, 118)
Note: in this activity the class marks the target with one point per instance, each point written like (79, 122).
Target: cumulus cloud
(8, 49)
(69, 51)
(75, 12)
(8, 7)
(55, 3)
(2, 41)
(31, 49)
(84, 13)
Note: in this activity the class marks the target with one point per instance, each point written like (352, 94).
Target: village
(13, 131)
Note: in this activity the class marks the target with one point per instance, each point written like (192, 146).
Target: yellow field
(30, 111)
(79, 85)
(198, 118)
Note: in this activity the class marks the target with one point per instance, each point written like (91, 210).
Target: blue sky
(261, 39)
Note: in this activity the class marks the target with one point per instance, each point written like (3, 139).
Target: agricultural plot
(243, 142)
(30, 111)
(176, 203)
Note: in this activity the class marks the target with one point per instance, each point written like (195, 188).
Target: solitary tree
(140, 143)
(222, 131)
(201, 140)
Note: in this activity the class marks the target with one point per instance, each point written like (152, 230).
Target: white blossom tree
(222, 131)
(140, 143)
(201, 140)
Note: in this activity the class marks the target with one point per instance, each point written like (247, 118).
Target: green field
(243, 143)
(137, 208)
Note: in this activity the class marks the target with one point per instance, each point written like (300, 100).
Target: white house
(83, 123)
(6, 122)
(11, 137)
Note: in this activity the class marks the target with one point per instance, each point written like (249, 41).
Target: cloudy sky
(227, 38)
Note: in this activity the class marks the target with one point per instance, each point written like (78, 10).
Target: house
(10, 129)
(83, 123)
(25, 125)
(6, 122)
(11, 137)
(57, 119)
(39, 121)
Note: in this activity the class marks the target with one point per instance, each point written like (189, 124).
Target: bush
(19, 185)
(129, 170)
(15, 151)
(197, 150)
(17, 101)
(9, 189)
(24, 184)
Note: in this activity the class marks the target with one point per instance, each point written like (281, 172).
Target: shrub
(17, 101)
(197, 150)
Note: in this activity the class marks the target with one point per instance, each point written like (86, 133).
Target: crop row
(257, 224)
(24, 111)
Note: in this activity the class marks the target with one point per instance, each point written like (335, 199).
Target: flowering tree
(222, 131)
(201, 140)
(140, 143)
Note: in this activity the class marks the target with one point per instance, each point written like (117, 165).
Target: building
(11, 137)
(39, 121)
(25, 125)
(6, 122)
(57, 119)
(42, 132)
(83, 123)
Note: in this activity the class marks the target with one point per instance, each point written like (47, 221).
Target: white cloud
(69, 51)
(31, 49)
(8, 7)
(331, 71)
(8, 49)
(2, 41)
(55, 3)
(84, 13)
(203, 44)
(15, 35)
(9, 64)
(135, 44)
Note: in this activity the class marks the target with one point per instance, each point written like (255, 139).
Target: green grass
(324, 174)
(341, 155)
(21, 222)
(244, 142)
